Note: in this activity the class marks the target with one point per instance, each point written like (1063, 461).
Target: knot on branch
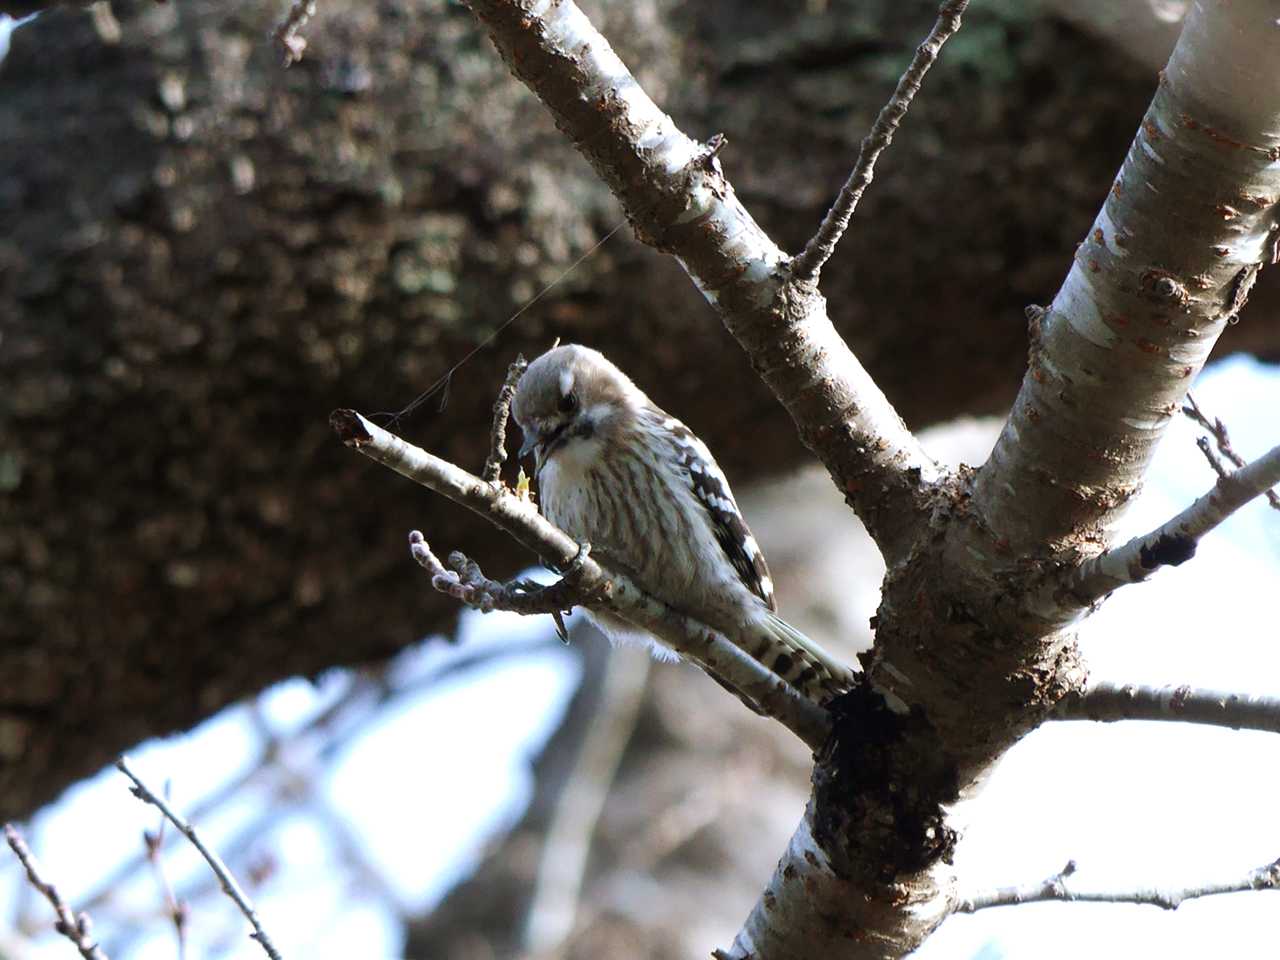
(881, 783)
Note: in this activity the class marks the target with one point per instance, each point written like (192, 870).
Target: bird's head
(571, 396)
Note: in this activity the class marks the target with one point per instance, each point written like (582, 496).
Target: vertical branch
(501, 412)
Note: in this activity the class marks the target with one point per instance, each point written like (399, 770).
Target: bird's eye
(568, 403)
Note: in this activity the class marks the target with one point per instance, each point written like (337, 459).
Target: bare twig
(1218, 430)
(1175, 541)
(823, 243)
(1115, 701)
(501, 411)
(723, 659)
(228, 882)
(287, 34)
(77, 929)
(176, 908)
(1056, 888)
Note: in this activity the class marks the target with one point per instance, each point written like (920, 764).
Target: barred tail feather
(803, 663)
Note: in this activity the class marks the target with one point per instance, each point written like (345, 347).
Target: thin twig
(228, 882)
(1056, 888)
(176, 908)
(823, 243)
(77, 929)
(1175, 541)
(1116, 701)
(287, 34)
(1218, 430)
(501, 411)
(718, 655)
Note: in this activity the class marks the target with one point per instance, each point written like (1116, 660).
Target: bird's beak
(532, 445)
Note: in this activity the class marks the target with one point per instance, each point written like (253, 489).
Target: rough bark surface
(203, 254)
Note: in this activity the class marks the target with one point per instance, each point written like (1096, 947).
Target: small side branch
(1057, 887)
(1175, 542)
(820, 247)
(1218, 430)
(288, 32)
(77, 929)
(501, 412)
(1108, 702)
(225, 879)
(177, 910)
(587, 583)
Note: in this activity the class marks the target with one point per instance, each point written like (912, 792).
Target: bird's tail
(801, 662)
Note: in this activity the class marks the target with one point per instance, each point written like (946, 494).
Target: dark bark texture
(203, 253)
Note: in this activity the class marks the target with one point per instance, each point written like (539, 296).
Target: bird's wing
(709, 485)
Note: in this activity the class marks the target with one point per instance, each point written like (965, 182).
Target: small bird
(616, 471)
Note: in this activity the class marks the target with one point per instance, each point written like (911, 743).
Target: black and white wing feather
(712, 490)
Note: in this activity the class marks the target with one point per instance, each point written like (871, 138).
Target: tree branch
(590, 584)
(1108, 702)
(1173, 542)
(501, 412)
(1056, 888)
(288, 32)
(678, 200)
(818, 250)
(1187, 223)
(77, 929)
(225, 878)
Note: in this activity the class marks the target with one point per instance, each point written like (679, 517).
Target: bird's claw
(574, 565)
(579, 558)
(531, 588)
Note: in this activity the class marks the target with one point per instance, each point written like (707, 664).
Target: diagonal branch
(592, 585)
(678, 200)
(1184, 229)
(77, 929)
(1186, 704)
(288, 32)
(818, 250)
(1174, 542)
(1056, 887)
